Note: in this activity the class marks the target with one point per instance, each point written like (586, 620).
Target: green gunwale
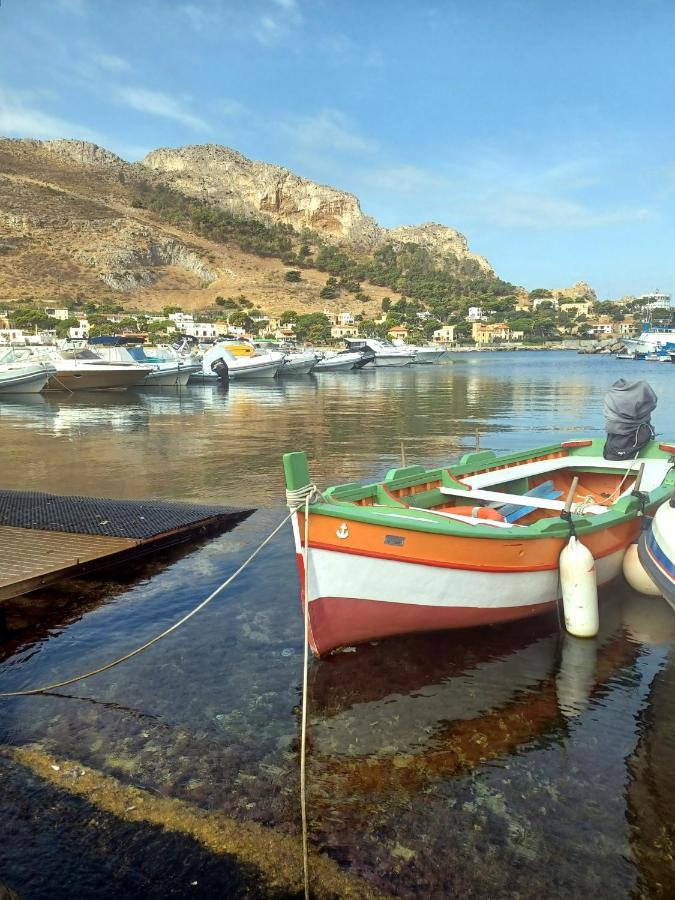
(340, 500)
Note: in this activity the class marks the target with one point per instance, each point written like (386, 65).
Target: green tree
(292, 275)
(288, 316)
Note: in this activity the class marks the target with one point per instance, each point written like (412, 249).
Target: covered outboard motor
(628, 408)
(219, 366)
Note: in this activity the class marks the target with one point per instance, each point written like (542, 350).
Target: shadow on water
(493, 763)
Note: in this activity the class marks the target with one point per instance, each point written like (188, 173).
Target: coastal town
(535, 318)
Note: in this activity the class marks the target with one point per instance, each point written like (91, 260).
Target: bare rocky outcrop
(439, 240)
(578, 289)
(127, 260)
(224, 176)
(83, 152)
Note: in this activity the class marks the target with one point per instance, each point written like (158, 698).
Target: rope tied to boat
(303, 496)
(200, 606)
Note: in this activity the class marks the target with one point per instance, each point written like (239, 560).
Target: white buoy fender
(636, 575)
(579, 589)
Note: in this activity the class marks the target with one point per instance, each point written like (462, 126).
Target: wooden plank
(521, 500)
(30, 558)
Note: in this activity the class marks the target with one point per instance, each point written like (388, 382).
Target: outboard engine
(628, 408)
(219, 366)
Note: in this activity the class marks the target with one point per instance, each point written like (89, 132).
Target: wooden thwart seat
(520, 500)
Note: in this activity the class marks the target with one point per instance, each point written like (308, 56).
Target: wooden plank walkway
(47, 537)
(30, 558)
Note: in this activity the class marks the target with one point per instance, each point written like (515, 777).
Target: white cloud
(278, 21)
(406, 179)
(110, 62)
(327, 130)
(18, 117)
(547, 212)
(157, 103)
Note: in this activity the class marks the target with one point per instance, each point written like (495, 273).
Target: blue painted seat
(512, 511)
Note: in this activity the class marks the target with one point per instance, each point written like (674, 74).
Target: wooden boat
(475, 543)
(656, 550)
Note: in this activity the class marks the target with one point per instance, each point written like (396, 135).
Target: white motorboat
(19, 374)
(428, 355)
(652, 340)
(300, 363)
(338, 362)
(386, 354)
(164, 370)
(220, 363)
(80, 369)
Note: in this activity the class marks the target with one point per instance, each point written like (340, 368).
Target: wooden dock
(46, 537)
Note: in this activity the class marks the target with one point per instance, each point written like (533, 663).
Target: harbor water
(498, 762)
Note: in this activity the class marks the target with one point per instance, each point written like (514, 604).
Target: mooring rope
(303, 729)
(116, 662)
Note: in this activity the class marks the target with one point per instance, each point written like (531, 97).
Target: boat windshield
(137, 353)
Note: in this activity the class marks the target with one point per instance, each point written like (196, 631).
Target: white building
(58, 312)
(655, 300)
(12, 336)
(198, 329)
(475, 314)
(79, 332)
(444, 335)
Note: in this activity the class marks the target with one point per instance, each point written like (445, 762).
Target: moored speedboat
(385, 353)
(80, 369)
(336, 362)
(219, 362)
(477, 543)
(656, 550)
(428, 355)
(298, 363)
(163, 370)
(22, 376)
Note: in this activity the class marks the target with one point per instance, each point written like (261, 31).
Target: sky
(541, 130)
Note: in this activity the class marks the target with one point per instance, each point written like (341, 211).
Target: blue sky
(542, 130)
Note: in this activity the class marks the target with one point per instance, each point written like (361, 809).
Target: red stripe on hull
(342, 621)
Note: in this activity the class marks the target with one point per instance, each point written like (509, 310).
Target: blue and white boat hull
(656, 550)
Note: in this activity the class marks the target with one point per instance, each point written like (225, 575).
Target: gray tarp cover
(628, 404)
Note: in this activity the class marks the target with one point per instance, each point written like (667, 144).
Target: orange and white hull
(358, 593)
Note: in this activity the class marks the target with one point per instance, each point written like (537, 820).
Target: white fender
(579, 589)
(636, 575)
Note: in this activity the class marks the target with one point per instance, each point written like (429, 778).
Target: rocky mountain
(223, 176)
(71, 224)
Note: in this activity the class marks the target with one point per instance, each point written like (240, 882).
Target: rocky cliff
(226, 177)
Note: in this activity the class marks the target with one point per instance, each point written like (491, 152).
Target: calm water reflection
(500, 762)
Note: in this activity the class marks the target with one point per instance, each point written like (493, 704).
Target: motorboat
(80, 369)
(20, 374)
(338, 362)
(652, 340)
(428, 355)
(656, 550)
(386, 354)
(219, 363)
(425, 355)
(166, 367)
(298, 363)
(476, 543)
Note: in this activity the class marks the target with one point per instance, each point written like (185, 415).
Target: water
(493, 763)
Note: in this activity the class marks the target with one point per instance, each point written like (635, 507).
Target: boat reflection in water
(483, 739)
